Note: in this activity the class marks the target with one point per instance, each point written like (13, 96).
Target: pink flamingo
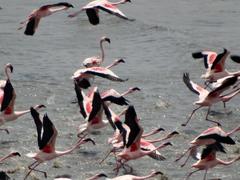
(92, 10)
(13, 154)
(96, 60)
(127, 176)
(208, 160)
(47, 134)
(211, 136)
(207, 98)
(33, 19)
(7, 100)
(132, 147)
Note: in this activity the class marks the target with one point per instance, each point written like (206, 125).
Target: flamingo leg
(182, 165)
(34, 169)
(191, 173)
(210, 119)
(184, 124)
(180, 157)
(31, 166)
(112, 150)
(205, 175)
(4, 129)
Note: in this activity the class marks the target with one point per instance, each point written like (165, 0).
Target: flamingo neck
(7, 72)
(230, 95)
(15, 115)
(5, 157)
(235, 73)
(150, 133)
(160, 139)
(70, 150)
(120, 2)
(225, 163)
(102, 50)
(233, 131)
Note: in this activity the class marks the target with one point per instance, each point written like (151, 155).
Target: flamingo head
(10, 67)
(89, 140)
(16, 154)
(104, 38)
(101, 175)
(160, 129)
(68, 5)
(167, 144)
(128, 1)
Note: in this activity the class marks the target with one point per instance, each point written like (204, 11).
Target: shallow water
(157, 49)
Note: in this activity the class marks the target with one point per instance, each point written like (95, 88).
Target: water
(157, 49)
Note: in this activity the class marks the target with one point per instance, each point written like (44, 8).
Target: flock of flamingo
(128, 141)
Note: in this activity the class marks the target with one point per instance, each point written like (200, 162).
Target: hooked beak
(101, 175)
(10, 67)
(136, 89)
(160, 129)
(89, 140)
(108, 40)
(167, 144)
(16, 154)
(158, 172)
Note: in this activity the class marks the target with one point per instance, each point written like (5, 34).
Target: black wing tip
(65, 4)
(197, 55)
(235, 58)
(29, 31)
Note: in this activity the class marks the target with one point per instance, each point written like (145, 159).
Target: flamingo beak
(136, 89)
(108, 40)
(16, 154)
(174, 133)
(10, 67)
(158, 172)
(160, 129)
(42, 106)
(101, 175)
(89, 139)
(120, 61)
(128, 1)
(167, 144)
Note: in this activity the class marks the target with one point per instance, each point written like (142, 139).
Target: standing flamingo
(7, 100)
(92, 10)
(127, 176)
(208, 160)
(96, 60)
(207, 98)
(212, 136)
(33, 19)
(47, 134)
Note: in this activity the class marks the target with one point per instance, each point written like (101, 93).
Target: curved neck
(150, 133)
(7, 72)
(102, 51)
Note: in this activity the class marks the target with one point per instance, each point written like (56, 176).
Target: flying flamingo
(132, 147)
(127, 176)
(214, 63)
(13, 154)
(208, 160)
(212, 136)
(96, 71)
(47, 134)
(85, 83)
(207, 98)
(96, 60)
(7, 100)
(33, 19)
(92, 10)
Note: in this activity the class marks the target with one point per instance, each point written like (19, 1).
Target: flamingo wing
(109, 115)
(93, 17)
(58, 7)
(225, 84)
(235, 58)
(135, 130)
(8, 97)
(112, 9)
(116, 100)
(193, 86)
(219, 63)
(80, 99)
(96, 106)
(208, 57)
(207, 151)
(31, 26)
(219, 138)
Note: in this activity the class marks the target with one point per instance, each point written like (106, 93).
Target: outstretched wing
(116, 100)
(80, 99)
(96, 106)
(193, 86)
(8, 97)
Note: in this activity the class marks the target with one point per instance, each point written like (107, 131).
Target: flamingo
(207, 98)
(7, 100)
(214, 63)
(126, 177)
(208, 160)
(85, 83)
(47, 134)
(132, 148)
(33, 19)
(92, 10)
(96, 71)
(212, 136)
(12, 154)
(96, 60)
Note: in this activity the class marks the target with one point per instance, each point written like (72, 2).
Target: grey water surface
(157, 49)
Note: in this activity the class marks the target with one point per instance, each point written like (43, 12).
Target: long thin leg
(180, 157)
(191, 173)
(112, 150)
(184, 124)
(182, 165)
(33, 165)
(210, 119)
(205, 175)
